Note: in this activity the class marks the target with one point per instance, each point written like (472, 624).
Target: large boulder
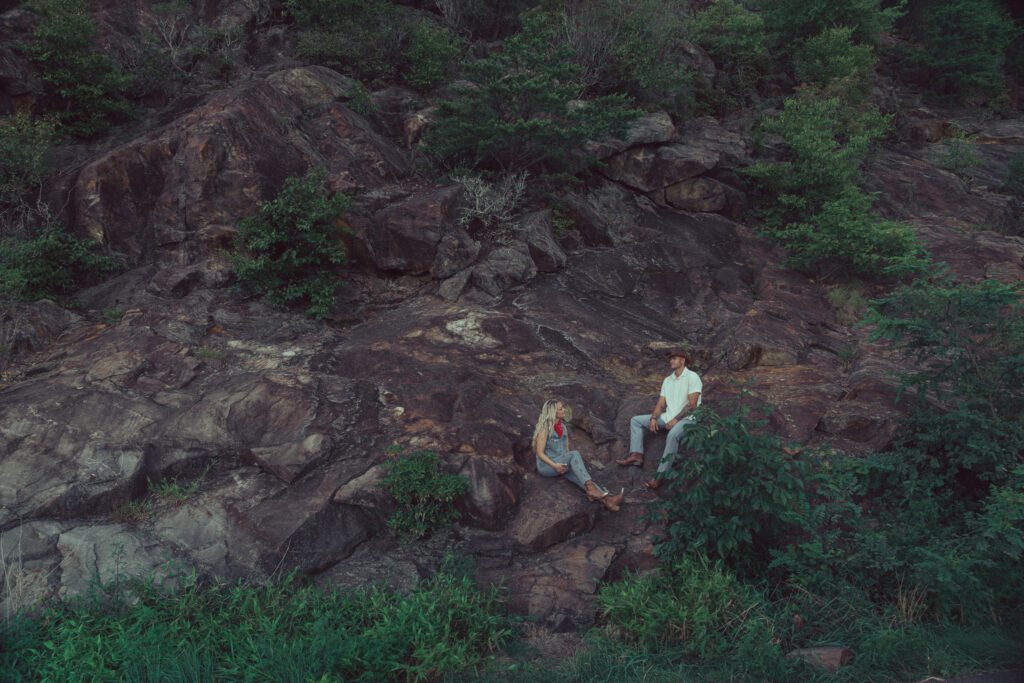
(175, 195)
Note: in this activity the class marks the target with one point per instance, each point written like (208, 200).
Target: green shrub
(734, 37)
(963, 45)
(431, 54)
(958, 155)
(89, 86)
(834, 62)
(697, 606)
(790, 22)
(633, 47)
(290, 250)
(426, 495)
(50, 265)
(24, 142)
(845, 238)
(362, 38)
(736, 496)
(523, 109)
(827, 140)
(277, 633)
(967, 346)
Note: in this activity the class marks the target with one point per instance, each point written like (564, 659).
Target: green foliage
(277, 633)
(113, 316)
(963, 45)
(738, 496)
(425, 493)
(431, 54)
(818, 211)
(967, 345)
(89, 86)
(734, 37)
(790, 22)
(52, 264)
(827, 141)
(523, 110)
(697, 606)
(849, 302)
(648, 61)
(834, 62)
(362, 38)
(24, 141)
(291, 249)
(958, 155)
(846, 238)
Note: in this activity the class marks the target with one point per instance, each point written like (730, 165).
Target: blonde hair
(546, 420)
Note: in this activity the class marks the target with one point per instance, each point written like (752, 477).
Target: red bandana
(558, 429)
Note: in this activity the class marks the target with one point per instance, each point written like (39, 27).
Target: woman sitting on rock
(551, 446)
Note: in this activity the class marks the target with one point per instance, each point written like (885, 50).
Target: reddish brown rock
(404, 236)
(177, 193)
(651, 168)
(558, 587)
(829, 658)
(697, 194)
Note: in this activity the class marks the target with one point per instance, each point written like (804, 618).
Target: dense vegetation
(290, 250)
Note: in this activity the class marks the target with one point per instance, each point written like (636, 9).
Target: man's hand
(561, 468)
(654, 424)
(671, 423)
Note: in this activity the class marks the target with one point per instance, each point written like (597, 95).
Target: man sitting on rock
(680, 396)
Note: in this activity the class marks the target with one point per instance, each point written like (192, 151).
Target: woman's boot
(613, 502)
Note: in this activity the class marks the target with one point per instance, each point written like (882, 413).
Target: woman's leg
(577, 473)
(545, 470)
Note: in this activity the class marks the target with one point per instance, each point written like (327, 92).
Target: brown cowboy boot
(613, 502)
(634, 459)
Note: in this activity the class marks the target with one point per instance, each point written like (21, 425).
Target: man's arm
(687, 409)
(659, 408)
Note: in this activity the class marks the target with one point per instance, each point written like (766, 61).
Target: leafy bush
(697, 605)
(967, 345)
(278, 633)
(958, 155)
(23, 143)
(734, 37)
(634, 47)
(431, 53)
(791, 22)
(89, 86)
(846, 238)
(425, 494)
(52, 264)
(738, 496)
(523, 109)
(291, 249)
(827, 140)
(834, 62)
(963, 45)
(363, 38)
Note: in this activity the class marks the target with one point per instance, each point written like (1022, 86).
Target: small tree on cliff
(291, 249)
(523, 108)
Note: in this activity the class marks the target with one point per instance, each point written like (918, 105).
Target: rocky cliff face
(203, 431)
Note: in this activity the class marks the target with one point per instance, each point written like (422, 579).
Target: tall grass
(278, 633)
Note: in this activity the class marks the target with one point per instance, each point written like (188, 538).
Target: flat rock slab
(551, 510)
(558, 587)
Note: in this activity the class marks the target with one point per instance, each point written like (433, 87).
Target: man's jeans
(640, 424)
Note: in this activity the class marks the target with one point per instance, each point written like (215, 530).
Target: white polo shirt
(676, 391)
